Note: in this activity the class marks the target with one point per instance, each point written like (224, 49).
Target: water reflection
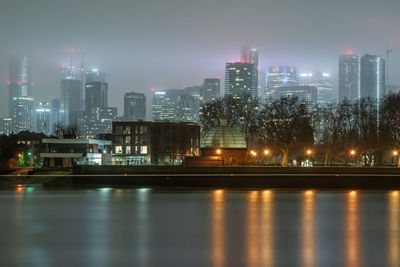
(218, 231)
(352, 230)
(308, 229)
(252, 229)
(394, 223)
(267, 229)
(142, 226)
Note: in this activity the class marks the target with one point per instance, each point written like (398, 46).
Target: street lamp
(266, 152)
(353, 153)
(309, 152)
(395, 153)
(253, 153)
(219, 151)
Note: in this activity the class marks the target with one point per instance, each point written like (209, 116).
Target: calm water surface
(148, 227)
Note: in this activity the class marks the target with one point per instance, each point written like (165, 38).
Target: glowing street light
(395, 153)
(253, 153)
(352, 152)
(309, 152)
(266, 152)
(219, 151)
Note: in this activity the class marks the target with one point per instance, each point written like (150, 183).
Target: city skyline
(158, 45)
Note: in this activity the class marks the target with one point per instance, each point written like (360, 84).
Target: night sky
(172, 43)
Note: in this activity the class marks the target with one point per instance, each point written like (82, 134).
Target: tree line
(289, 125)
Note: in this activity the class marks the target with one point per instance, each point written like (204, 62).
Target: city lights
(352, 152)
(309, 152)
(253, 153)
(219, 151)
(395, 153)
(266, 152)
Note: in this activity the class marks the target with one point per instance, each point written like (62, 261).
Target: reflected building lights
(218, 228)
(308, 229)
(352, 230)
(142, 226)
(394, 229)
(252, 229)
(267, 229)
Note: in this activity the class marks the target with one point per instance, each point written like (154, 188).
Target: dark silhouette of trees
(390, 122)
(285, 123)
(239, 112)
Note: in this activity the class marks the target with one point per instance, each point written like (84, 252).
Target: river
(155, 227)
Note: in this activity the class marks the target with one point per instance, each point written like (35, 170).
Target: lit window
(143, 149)
(118, 149)
(128, 150)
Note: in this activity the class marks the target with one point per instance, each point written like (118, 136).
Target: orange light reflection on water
(218, 228)
(252, 230)
(308, 229)
(394, 229)
(267, 229)
(352, 229)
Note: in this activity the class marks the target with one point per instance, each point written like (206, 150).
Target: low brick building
(154, 143)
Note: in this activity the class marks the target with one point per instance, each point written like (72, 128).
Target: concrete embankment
(211, 177)
(239, 177)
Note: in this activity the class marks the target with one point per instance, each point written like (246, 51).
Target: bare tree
(390, 121)
(286, 123)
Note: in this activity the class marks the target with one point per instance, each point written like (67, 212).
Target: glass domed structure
(223, 137)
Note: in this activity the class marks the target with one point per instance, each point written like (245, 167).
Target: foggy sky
(171, 43)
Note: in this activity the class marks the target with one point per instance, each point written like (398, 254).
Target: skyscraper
(134, 106)
(22, 116)
(349, 77)
(57, 113)
(14, 82)
(372, 76)
(304, 93)
(96, 96)
(94, 75)
(279, 76)
(210, 90)
(323, 83)
(71, 96)
(26, 77)
(249, 55)
(240, 78)
(43, 116)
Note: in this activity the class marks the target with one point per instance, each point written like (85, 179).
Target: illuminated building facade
(241, 78)
(134, 106)
(177, 105)
(279, 76)
(210, 90)
(323, 83)
(22, 115)
(6, 125)
(349, 76)
(43, 116)
(154, 143)
(308, 94)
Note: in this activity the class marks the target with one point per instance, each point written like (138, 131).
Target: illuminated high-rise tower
(322, 82)
(279, 76)
(249, 55)
(26, 77)
(349, 76)
(71, 96)
(240, 78)
(14, 82)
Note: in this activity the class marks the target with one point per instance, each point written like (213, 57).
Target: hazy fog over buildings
(168, 44)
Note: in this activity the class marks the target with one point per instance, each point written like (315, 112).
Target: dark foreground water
(148, 227)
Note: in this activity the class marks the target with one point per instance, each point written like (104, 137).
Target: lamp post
(396, 154)
(267, 153)
(353, 154)
(219, 152)
(309, 154)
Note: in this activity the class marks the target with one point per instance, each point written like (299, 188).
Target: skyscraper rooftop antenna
(387, 66)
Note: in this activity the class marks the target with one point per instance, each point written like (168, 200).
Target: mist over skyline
(170, 44)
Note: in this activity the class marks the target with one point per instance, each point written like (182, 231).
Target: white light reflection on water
(142, 226)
